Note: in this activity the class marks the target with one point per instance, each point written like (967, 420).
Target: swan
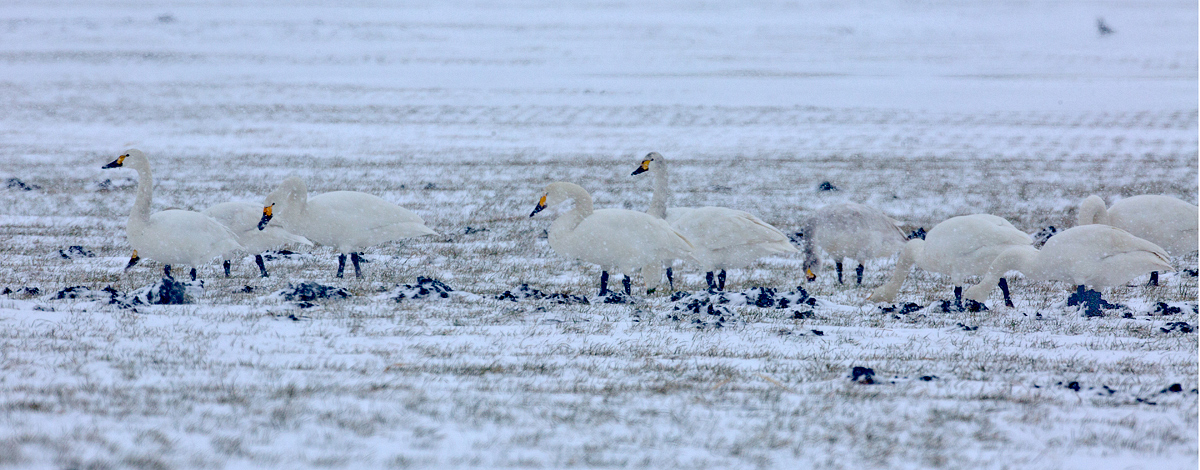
(960, 247)
(242, 219)
(171, 236)
(1086, 255)
(1163, 220)
(348, 221)
(849, 230)
(618, 240)
(723, 238)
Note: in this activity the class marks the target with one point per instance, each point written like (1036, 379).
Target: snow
(464, 111)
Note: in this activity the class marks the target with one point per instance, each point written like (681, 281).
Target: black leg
(261, 269)
(958, 296)
(354, 259)
(341, 264)
(671, 278)
(193, 274)
(721, 280)
(1153, 279)
(1004, 289)
(603, 283)
(709, 278)
(858, 272)
(167, 271)
(839, 271)
(226, 266)
(625, 283)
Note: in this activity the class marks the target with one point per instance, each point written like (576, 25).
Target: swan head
(645, 166)
(284, 199)
(133, 155)
(1092, 210)
(266, 217)
(558, 192)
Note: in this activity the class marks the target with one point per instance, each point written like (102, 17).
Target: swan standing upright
(348, 221)
(618, 240)
(1162, 220)
(170, 236)
(849, 230)
(1086, 255)
(960, 247)
(723, 238)
(242, 219)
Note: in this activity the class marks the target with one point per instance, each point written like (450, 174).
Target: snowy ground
(464, 112)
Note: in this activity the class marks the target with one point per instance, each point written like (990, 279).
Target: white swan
(1163, 220)
(1087, 255)
(242, 219)
(723, 238)
(170, 236)
(961, 247)
(348, 221)
(618, 240)
(849, 230)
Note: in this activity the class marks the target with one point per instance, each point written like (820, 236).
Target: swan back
(348, 221)
(727, 238)
(1163, 220)
(1098, 256)
(850, 230)
(965, 246)
(242, 219)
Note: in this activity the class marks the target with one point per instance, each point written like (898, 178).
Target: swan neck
(662, 189)
(145, 194)
(1093, 210)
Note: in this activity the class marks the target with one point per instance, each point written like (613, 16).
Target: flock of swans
(1109, 246)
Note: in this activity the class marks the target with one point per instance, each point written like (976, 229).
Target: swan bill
(644, 167)
(133, 260)
(266, 217)
(540, 206)
(116, 163)
(808, 274)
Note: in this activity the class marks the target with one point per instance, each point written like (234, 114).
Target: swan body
(1163, 220)
(242, 219)
(960, 247)
(849, 231)
(172, 236)
(723, 238)
(1086, 255)
(348, 221)
(618, 240)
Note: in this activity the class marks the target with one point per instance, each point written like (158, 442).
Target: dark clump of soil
(862, 375)
(76, 251)
(16, 183)
(426, 287)
(309, 291)
(902, 309)
(524, 292)
(1180, 326)
(1163, 309)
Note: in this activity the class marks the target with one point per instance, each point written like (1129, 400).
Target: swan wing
(717, 228)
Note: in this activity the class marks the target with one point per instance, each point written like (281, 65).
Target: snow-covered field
(464, 111)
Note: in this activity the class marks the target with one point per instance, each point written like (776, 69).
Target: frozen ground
(463, 112)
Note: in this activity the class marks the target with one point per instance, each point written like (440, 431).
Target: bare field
(463, 113)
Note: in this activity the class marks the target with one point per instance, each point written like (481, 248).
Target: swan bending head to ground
(1085, 256)
(723, 238)
(170, 236)
(618, 240)
(242, 219)
(348, 221)
(1162, 220)
(961, 247)
(849, 231)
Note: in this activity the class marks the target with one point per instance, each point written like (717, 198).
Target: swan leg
(354, 259)
(1004, 289)
(670, 278)
(625, 283)
(858, 272)
(839, 271)
(1153, 279)
(167, 271)
(958, 296)
(709, 278)
(721, 280)
(603, 283)
(193, 274)
(261, 269)
(341, 264)
(226, 266)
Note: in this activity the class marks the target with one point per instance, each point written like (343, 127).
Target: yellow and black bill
(808, 274)
(116, 163)
(540, 206)
(644, 167)
(133, 260)
(266, 218)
